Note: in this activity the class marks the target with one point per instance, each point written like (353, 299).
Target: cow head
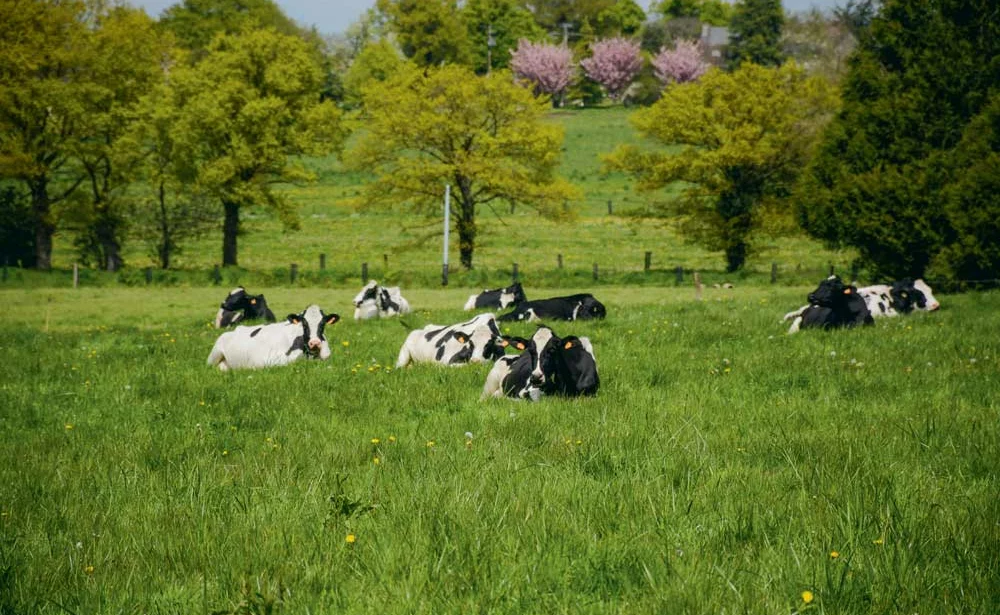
(370, 291)
(591, 308)
(831, 292)
(313, 322)
(512, 295)
(236, 300)
(541, 348)
(929, 303)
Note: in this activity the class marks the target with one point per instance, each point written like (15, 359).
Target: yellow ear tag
(520, 346)
(568, 345)
(253, 302)
(504, 343)
(847, 291)
(905, 295)
(461, 339)
(296, 321)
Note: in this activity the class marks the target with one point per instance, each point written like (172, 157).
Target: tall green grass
(720, 468)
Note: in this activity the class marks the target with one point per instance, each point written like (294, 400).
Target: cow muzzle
(315, 345)
(537, 379)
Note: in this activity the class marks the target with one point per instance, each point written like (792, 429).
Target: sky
(334, 16)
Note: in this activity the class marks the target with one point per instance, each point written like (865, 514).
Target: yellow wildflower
(68, 426)
(375, 440)
(349, 539)
(834, 554)
(88, 569)
(807, 596)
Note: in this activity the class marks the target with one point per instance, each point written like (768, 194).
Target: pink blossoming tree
(549, 68)
(613, 63)
(679, 65)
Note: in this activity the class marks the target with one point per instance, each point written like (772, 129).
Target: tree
(485, 136)
(549, 68)
(743, 137)
(506, 21)
(195, 23)
(685, 62)
(429, 32)
(624, 18)
(555, 15)
(818, 43)
(887, 177)
(244, 115)
(755, 34)
(45, 54)
(17, 238)
(714, 12)
(614, 63)
(377, 61)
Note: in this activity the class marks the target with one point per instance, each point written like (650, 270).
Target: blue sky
(335, 15)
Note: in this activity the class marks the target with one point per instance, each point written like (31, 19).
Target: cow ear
(332, 318)
(504, 343)
(294, 319)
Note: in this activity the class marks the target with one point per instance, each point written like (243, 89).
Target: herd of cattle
(546, 364)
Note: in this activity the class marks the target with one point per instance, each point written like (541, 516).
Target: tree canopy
(484, 136)
(742, 137)
(429, 32)
(755, 33)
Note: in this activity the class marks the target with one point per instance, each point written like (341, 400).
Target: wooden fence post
(854, 272)
(610, 210)
(647, 263)
(774, 272)
(322, 262)
(697, 286)
(512, 207)
(385, 262)
(294, 272)
(831, 268)
(149, 275)
(514, 275)
(595, 272)
(559, 261)
(679, 273)
(76, 275)
(364, 273)
(216, 275)
(444, 275)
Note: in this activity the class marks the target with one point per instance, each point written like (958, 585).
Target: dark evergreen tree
(755, 34)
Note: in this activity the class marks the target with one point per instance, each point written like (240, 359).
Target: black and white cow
(376, 301)
(280, 343)
(885, 301)
(833, 305)
(549, 365)
(474, 341)
(574, 307)
(240, 306)
(501, 298)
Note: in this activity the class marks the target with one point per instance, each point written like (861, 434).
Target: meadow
(724, 467)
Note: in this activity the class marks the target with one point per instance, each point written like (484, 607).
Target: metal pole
(447, 228)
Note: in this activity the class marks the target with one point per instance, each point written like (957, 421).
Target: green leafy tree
(623, 18)
(507, 21)
(551, 15)
(485, 136)
(429, 32)
(742, 138)
(916, 103)
(195, 23)
(45, 81)
(377, 61)
(755, 34)
(714, 12)
(244, 116)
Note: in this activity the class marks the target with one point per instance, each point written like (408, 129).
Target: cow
(574, 307)
(376, 301)
(549, 365)
(833, 305)
(501, 298)
(239, 306)
(885, 301)
(280, 343)
(474, 341)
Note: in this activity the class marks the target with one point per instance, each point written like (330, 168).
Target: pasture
(724, 467)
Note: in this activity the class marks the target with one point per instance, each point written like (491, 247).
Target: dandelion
(350, 539)
(345, 343)
(201, 403)
(68, 426)
(834, 554)
(375, 440)
(430, 444)
(807, 596)
(392, 439)
(225, 452)
(878, 541)
(376, 460)
(88, 569)
(833, 353)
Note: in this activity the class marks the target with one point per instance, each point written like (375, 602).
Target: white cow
(473, 341)
(376, 301)
(274, 344)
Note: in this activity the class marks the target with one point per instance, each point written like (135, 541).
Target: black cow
(549, 365)
(832, 305)
(501, 298)
(574, 307)
(239, 306)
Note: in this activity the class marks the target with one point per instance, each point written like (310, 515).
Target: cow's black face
(906, 297)
(594, 309)
(518, 292)
(830, 292)
(237, 300)
(369, 292)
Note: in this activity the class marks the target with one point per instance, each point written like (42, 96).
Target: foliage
(818, 43)
(243, 117)
(551, 15)
(17, 237)
(376, 62)
(887, 179)
(549, 68)
(508, 21)
(745, 136)
(685, 62)
(714, 12)
(755, 34)
(624, 18)
(45, 63)
(614, 63)
(857, 15)
(194, 23)
(429, 32)
(484, 136)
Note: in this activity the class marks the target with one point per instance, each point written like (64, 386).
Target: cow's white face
(482, 337)
(542, 338)
(932, 303)
(370, 291)
(506, 299)
(313, 322)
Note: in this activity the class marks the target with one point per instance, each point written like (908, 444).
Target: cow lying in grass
(574, 307)
(376, 301)
(885, 301)
(498, 298)
(833, 305)
(473, 341)
(301, 335)
(240, 306)
(549, 365)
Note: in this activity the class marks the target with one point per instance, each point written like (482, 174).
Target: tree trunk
(106, 229)
(466, 223)
(44, 229)
(230, 228)
(736, 256)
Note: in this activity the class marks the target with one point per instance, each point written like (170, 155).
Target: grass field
(332, 226)
(725, 467)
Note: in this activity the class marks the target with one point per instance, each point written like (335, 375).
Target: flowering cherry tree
(679, 65)
(613, 63)
(548, 67)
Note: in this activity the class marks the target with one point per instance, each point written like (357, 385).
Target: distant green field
(406, 247)
(725, 467)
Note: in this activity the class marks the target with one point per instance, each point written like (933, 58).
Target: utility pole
(565, 27)
(490, 44)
